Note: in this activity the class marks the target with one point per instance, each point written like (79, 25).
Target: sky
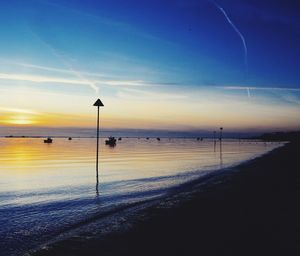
(170, 65)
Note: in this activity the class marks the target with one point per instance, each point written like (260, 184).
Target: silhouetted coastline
(280, 136)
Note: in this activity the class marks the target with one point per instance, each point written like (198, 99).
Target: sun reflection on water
(30, 164)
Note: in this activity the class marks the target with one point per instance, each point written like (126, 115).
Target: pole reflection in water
(111, 147)
(221, 155)
(215, 142)
(97, 186)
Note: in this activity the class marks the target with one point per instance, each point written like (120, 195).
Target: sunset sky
(175, 65)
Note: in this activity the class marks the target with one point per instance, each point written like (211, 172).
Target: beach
(251, 209)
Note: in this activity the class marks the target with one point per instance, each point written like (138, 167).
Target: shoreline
(250, 139)
(146, 223)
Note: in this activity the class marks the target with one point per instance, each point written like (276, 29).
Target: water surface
(46, 188)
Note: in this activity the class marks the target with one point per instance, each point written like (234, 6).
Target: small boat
(48, 140)
(111, 141)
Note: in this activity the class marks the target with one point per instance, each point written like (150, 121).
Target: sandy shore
(252, 209)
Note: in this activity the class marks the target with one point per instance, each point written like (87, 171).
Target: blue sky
(164, 52)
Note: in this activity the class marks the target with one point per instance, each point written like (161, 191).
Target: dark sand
(252, 210)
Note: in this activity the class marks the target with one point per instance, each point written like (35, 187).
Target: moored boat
(48, 140)
(111, 141)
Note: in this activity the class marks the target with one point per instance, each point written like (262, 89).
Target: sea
(49, 189)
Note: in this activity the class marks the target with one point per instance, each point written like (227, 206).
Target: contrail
(237, 31)
(75, 72)
(248, 92)
(66, 63)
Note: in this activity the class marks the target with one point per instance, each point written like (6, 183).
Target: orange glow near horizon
(178, 120)
(20, 120)
(202, 109)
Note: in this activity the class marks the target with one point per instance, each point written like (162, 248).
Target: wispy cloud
(83, 78)
(63, 71)
(70, 81)
(136, 94)
(41, 79)
(67, 64)
(55, 74)
(137, 83)
(285, 92)
(259, 88)
(18, 110)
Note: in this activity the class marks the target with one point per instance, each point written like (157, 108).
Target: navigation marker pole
(98, 104)
(221, 133)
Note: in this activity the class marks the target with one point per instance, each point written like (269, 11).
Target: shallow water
(47, 188)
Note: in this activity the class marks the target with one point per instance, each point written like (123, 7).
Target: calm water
(45, 189)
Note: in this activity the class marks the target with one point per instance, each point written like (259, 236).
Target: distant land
(6, 131)
(280, 136)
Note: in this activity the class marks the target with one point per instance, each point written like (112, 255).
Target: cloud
(18, 110)
(290, 98)
(67, 64)
(137, 83)
(98, 78)
(41, 79)
(283, 93)
(64, 71)
(70, 81)
(259, 88)
(135, 94)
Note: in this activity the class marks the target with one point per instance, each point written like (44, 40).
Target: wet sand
(252, 209)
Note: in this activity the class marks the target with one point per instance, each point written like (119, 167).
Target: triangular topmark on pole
(98, 103)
